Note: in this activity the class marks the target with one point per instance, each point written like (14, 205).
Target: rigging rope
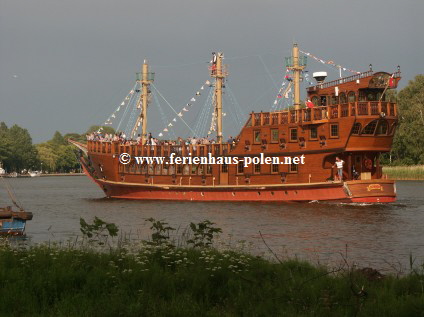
(163, 116)
(202, 117)
(171, 107)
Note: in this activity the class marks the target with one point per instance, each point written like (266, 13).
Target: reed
(415, 172)
(148, 279)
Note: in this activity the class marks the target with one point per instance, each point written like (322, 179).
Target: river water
(378, 236)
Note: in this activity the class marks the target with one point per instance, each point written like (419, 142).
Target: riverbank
(164, 280)
(414, 172)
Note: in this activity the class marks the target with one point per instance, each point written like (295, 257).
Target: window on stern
(274, 168)
(274, 135)
(382, 128)
(334, 130)
(356, 129)
(370, 128)
(293, 135)
(313, 133)
(334, 100)
(257, 136)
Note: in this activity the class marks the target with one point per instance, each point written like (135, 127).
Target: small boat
(34, 174)
(13, 222)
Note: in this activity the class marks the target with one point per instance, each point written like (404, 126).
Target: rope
(164, 118)
(11, 193)
(171, 107)
(267, 71)
(127, 107)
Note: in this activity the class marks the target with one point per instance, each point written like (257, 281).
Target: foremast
(219, 72)
(145, 78)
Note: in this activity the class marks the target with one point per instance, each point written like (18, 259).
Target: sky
(66, 65)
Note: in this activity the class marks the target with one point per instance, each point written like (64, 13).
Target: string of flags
(307, 78)
(283, 92)
(330, 62)
(123, 104)
(186, 108)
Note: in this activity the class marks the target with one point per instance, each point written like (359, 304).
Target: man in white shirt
(339, 164)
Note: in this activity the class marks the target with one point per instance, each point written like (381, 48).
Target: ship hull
(372, 191)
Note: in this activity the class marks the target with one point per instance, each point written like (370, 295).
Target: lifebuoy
(368, 164)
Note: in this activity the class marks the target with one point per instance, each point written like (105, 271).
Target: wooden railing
(361, 108)
(199, 150)
(346, 80)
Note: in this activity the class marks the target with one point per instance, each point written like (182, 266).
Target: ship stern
(371, 191)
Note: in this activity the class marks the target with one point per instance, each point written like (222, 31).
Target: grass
(415, 172)
(150, 279)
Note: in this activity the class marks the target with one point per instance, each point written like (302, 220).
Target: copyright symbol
(124, 158)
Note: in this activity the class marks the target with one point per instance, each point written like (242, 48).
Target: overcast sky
(65, 65)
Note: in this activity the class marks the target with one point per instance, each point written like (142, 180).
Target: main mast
(296, 64)
(145, 79)
(218, 71)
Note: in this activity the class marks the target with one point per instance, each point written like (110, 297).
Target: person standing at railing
(339, 164)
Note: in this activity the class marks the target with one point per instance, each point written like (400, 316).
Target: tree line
(18, 153)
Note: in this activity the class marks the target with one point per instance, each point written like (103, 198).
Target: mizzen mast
(296, 63)
(218, 71)
(145, 78)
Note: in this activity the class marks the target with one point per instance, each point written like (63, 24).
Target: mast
(145, 79)
(296, 64)
(218, 71)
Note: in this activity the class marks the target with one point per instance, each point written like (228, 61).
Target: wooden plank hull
(354, 191)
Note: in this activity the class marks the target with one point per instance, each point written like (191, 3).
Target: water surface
(380, 236)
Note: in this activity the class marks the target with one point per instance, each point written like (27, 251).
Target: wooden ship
(349, 118)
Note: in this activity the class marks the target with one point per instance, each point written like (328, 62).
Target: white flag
(160, 134)
(165, 130)
(119, 108)
(184, 109)
(192, 99)
(198, 93)
(175, 120)
(180, 114)
(202, 88)
(207, 82)
(123, 103)
(170, 125)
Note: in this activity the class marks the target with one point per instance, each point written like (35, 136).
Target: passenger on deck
(339, 164)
